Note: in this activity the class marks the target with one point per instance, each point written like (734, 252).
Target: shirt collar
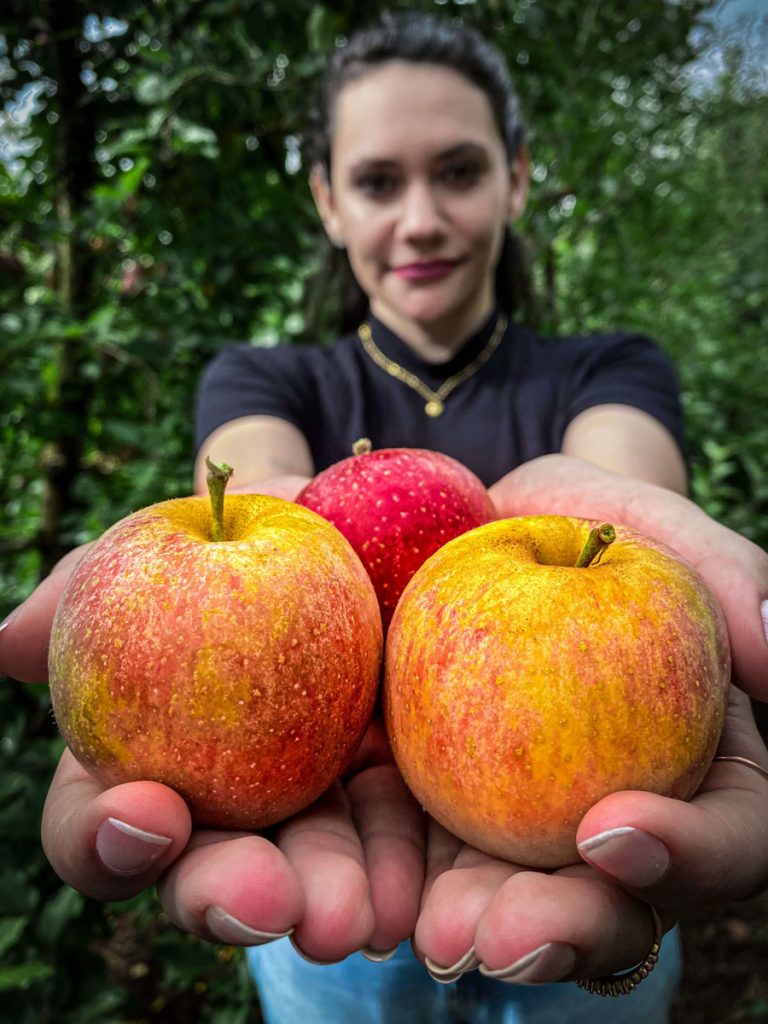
(393, 347)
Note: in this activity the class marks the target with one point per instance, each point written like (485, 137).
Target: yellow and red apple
(521, 687)
(242, 671)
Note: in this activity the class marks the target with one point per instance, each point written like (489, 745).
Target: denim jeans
(400, 991)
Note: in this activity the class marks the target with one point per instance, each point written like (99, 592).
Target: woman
(420, 166)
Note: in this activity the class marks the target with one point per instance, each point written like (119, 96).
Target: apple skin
(520, 690)
(242, 673)
(396, 506)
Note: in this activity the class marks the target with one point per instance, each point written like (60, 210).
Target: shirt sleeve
(627, 369)
(246, 381)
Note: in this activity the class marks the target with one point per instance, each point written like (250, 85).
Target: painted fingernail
(3, 626)
(629, 854)
(445, 975)
(444, 978)
(764, 613)
(549, 962)
(230, 930)
(127, 850)
(7, 621)
(378, 956)
(309, 959)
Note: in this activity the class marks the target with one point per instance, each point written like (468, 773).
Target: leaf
(18, 893)
(64, 907)
(154, 88)
(11, 783)
(10, 929)
(98, 1010)
(322, 28)
(191, 137)
(23, 975)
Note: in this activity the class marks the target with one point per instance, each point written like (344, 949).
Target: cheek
(484, 217)
(485, 234)
(367, 241)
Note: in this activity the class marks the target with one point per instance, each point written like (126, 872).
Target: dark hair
(420, 39)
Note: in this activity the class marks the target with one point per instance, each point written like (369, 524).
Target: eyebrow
(460, 149)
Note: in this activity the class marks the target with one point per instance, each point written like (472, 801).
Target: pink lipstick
(429, 270)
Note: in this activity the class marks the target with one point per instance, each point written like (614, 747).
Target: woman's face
(420, 193)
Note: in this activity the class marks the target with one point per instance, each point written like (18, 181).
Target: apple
(535, 665)
(396, 506)
(232, 653)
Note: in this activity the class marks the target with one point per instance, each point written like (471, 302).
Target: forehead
(401, 108)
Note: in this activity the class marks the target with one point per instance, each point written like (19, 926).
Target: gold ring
(623, 984)
(741, 760)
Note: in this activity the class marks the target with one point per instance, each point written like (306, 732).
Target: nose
(421, 215)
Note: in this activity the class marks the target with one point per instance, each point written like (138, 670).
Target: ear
(520, 180)
(326, 208)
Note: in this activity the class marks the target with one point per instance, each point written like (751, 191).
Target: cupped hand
(344, 874)
(592, 918)
(314, 877)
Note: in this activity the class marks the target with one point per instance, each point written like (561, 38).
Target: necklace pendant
(434, 408)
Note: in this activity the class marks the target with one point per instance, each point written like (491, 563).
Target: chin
(468, 313)
(433, 304)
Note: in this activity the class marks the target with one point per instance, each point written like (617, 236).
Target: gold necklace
(435, 400)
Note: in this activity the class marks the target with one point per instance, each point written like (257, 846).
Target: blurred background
(154, 205)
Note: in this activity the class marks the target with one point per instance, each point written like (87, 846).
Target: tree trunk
(74, 175)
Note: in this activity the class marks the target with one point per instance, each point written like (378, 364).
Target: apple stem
(598, 540)
(218, 478)
(362, 446)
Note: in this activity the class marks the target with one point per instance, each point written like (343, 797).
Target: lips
(427, 270)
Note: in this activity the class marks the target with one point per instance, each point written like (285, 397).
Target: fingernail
(3, 626)
(443, 979)
(9, 619)
(378, 956)
(127, 850)
(764, 613)
(233, 932)
(549, 962)
(318, 963)
(629, 854)
(445, 975)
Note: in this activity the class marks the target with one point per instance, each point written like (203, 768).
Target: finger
(234, 888)
(26, 633)
(391, 827)
(709, 850)
(735, 569)
(111, 844)
(442, 850)
(324, 849)
(550, 927)
(445, 932)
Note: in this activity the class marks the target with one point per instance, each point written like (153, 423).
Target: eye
(461, 174)
(377, 184)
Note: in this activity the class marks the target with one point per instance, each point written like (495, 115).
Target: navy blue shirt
(515, 408)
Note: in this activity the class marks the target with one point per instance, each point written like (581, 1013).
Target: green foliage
(183, 220)
(68, 960)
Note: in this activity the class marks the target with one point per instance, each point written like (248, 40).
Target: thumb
(26, 633)
(711, 849)
(111, 844)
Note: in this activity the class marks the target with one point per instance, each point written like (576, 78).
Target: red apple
(396, 506)
(524, 683)
(242, 672)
